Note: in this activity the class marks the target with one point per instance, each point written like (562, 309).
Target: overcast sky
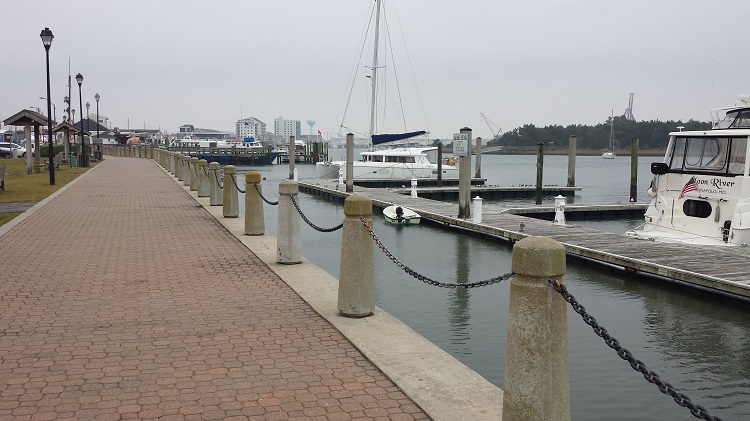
(166, 63)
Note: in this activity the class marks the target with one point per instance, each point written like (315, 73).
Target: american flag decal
(689, 186)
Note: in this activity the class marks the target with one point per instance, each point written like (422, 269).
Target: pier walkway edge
(78, 328)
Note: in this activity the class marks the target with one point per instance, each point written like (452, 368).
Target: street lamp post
(97, 97)
(54, 108)
(47, 37)
(84, 162)
(88, 119)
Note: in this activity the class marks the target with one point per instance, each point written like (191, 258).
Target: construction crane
(629, 111)
(496, 131)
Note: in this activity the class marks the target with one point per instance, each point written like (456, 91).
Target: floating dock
(717, 269)
(491, 192)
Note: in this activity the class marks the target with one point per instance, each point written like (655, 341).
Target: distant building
(250, 127)
(188, 130)
(103, 120)
(286, 128)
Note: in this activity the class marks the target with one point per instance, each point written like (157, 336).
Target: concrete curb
(442, 386)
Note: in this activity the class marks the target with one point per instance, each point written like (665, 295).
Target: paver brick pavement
(129, 301)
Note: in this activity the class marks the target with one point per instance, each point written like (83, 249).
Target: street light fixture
(84, 162)
(47, 37)
(88, 118)
(97, 97)
(54, 108)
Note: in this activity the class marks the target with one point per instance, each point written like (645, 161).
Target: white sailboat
(395, 163)
(610, 154)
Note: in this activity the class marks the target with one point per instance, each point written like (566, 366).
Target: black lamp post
(88, 119)
(47, 41)
(97, 97)
(83, 163)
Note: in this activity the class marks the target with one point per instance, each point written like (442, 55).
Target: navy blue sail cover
(377, 139)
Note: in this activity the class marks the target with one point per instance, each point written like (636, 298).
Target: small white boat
(401, 215)
(700, 193)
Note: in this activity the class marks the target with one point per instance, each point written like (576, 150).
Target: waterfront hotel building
(250, 127)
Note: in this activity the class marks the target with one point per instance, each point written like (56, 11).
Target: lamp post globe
(47, 38)
(83, 162)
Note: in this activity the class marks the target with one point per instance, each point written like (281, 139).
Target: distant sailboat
(610, 154)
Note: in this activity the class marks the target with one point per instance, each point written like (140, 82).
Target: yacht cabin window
(710, 155)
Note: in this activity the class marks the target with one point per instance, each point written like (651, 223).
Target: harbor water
(697, 342)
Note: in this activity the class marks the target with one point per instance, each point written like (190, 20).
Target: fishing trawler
(700, 193)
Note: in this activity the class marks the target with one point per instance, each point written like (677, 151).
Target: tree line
(653, 134)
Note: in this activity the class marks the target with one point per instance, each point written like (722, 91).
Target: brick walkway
(128, 301)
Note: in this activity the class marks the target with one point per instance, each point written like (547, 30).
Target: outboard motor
(725, 230)
(400, 214)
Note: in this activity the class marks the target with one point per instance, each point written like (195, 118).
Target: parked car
(10, 150)
(20, 149)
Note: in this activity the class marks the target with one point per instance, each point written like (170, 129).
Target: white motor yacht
(701, 191)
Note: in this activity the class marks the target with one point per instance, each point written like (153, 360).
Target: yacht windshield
(712, 155)
(735, 119)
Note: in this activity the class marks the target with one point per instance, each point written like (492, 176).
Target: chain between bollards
(234, 180)
(262, 197)
(665, 388)
(315, 227)
(218, 183)
(425, 279)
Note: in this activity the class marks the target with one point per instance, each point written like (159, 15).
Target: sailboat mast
(612, 132)
(375, 68)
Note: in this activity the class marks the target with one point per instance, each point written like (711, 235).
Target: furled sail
(377, 139)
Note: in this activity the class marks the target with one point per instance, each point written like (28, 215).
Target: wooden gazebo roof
(65, 125)
(24, 117)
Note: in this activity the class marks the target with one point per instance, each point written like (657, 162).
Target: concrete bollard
(559, 210)
(187, 171)
(255, 223)
(413, 187)
(214, 191)
(289, 244)
(357, 271)
(180, 167)
(194, 174)
(537, 385)
(203, 186)
(231, 201)
(175, 164)
(476, 216)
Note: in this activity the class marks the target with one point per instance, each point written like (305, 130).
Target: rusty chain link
(665, 388)
(315, 227)
(423, 278)
(264, 199)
